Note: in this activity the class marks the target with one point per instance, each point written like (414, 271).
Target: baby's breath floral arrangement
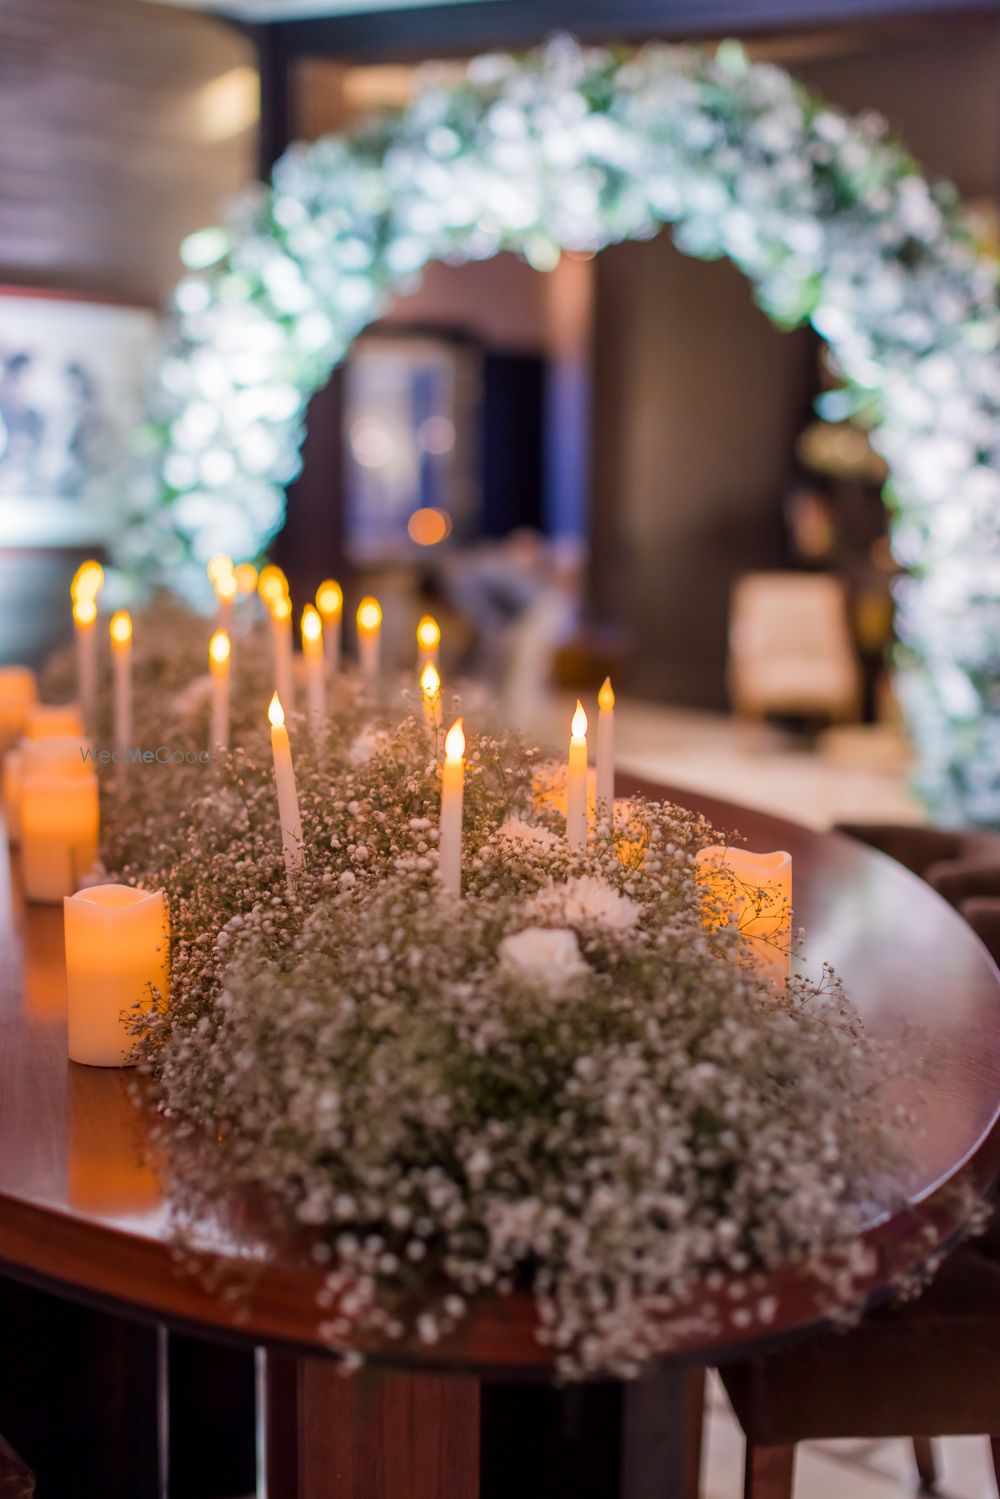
(572, 1083)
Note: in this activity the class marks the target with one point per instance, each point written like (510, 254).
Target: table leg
(392, 1435)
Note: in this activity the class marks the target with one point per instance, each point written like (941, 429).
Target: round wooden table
(475, 1416)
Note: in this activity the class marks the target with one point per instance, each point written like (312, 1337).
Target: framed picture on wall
(71, 373)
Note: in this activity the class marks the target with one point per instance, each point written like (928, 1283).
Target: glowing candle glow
(754, 893)
(606, 750)
(60, 825)
(576, 786)
(452, 792)
(85, 624)
(117, 940)
(225, 594)
(428, 641)
(312, 650)
(18, 695)
(48, 720)
(430, 694)
(88, 580)
(218, 664)
(121, 648)
(246, 578)
(330, 603)
(61, 757)
(370, 638)
(288, 798)
(281, 650)
(272, 585)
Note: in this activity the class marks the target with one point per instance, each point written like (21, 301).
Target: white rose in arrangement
(587, 901)
(546, 956)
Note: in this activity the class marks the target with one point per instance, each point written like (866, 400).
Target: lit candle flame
(88, 580)
(246, 577)
(606, 696)
(272, 584)
(121, 627)
(275, 712)
(84, 611)
(578, 727)
(219, 567)
(430, 684)
(369, 614)
(454, 744)
(329, 597)
(218, 648)
(281, 607)
(225, 587)
(312, 625)
(428, 633)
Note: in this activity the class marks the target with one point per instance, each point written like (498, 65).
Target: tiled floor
(854, 774)
(845, 1470)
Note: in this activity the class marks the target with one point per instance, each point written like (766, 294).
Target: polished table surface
(80, 1213)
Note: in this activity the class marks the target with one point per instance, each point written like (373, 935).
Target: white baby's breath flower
(527, 835)
(367, 745)
(547, 956)
(586, 901)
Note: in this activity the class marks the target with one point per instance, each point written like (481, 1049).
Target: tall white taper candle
(606, 750)
(452, 792)
(120, 630)
(576, 789)
(312, 650)
(218, 665)
(288, 797)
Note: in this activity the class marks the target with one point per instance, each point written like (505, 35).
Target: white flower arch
(576, 148)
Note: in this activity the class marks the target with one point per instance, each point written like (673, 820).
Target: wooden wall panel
(107, 155)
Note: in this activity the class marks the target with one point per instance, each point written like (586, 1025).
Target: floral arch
(576, 148)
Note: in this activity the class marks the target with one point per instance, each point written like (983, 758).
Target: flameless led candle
(59, 833)
(218, 665)
(576, 785)
(452, 791)
(312, 650)
(18, 695)
(54, 720)
(12, 762)
(117, 940)
(281, 650)
(754, 891)
(288, 798)
(61, 757)
(370, 638)
(430, 694)
(606, 749)
(428, 641)
(120, 631)
(330, 603)
(85, 624)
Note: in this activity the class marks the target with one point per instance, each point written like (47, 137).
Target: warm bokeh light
(218, 648)
(579, 724)
(454, 744)
(329, 597)
(121, 627)
(246, 577)
(272, 584)
(606, 696)
(312, 625)
(281, 608)
(219, 566)
(88, 580)
(225, 588)
(428, 526)
(430, 680)
(228, 105)
(369, 614)
(275, 712)
(84, 611)
(428, 633)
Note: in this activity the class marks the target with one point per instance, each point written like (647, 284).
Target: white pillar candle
(12, 762)
(120, 631)
(576, 785)
(452, 793)
(60, 757)
(330, 603)
(606, 750)
(288, 798)
(430, 696)
(312, 650)
(18, 695)
(754, 893)
(85, 625)
(428, 642)
(369, 620)
(60, 826)
(54, 720)
(281, 651)
(218, 664)
(117, 940)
